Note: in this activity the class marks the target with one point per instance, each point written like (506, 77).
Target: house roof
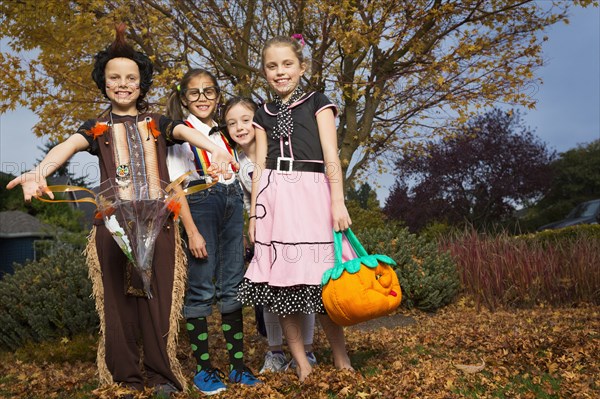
(6, 176)
(14, 224)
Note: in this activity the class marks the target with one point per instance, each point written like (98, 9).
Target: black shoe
(164, 391)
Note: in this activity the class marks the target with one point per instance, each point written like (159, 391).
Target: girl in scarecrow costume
(131, 146)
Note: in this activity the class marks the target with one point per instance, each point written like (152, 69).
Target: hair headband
(300, 38)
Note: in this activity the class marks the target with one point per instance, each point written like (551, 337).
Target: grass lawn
(529, 353)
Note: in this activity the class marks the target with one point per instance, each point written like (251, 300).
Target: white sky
(567, 111)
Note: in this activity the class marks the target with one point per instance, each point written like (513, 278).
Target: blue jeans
(218, 214)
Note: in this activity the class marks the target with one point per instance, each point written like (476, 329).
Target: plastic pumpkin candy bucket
(361, 289)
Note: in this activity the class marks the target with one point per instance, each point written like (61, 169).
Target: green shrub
(46, 299)
(363, 219)
(428, 276)
(436, 230)
(570, 234)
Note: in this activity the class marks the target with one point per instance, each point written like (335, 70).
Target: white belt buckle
(290, 163)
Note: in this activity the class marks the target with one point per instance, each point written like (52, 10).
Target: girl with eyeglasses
(216, 264)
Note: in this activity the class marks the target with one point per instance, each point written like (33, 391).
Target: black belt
(201, 180)
(290, 165)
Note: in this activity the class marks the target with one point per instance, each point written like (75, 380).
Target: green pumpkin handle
(354, 243)
(353, 265)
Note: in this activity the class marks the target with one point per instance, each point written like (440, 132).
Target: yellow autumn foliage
(391, 66)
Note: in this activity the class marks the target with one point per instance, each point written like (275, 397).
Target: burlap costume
(127, 316)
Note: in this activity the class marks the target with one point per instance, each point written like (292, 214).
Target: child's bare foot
(303, 372)
(343, 363)
(346, 367)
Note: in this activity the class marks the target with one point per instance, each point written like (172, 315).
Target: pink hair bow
(300, 38)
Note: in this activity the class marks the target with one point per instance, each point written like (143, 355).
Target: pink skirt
(294, 230)
(294, 243)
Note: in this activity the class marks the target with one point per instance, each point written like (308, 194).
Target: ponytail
(175, 106)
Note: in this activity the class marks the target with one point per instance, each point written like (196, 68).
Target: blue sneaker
(210, 381)
(244, 376)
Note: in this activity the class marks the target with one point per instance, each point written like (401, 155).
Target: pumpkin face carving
(361, 289)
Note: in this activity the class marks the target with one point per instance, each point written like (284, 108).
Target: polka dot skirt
(282, 300)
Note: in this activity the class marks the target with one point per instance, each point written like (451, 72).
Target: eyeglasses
(210, 93)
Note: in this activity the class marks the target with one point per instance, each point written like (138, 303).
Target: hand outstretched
(33, 185)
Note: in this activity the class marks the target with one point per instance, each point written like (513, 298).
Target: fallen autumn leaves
(533, 353)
